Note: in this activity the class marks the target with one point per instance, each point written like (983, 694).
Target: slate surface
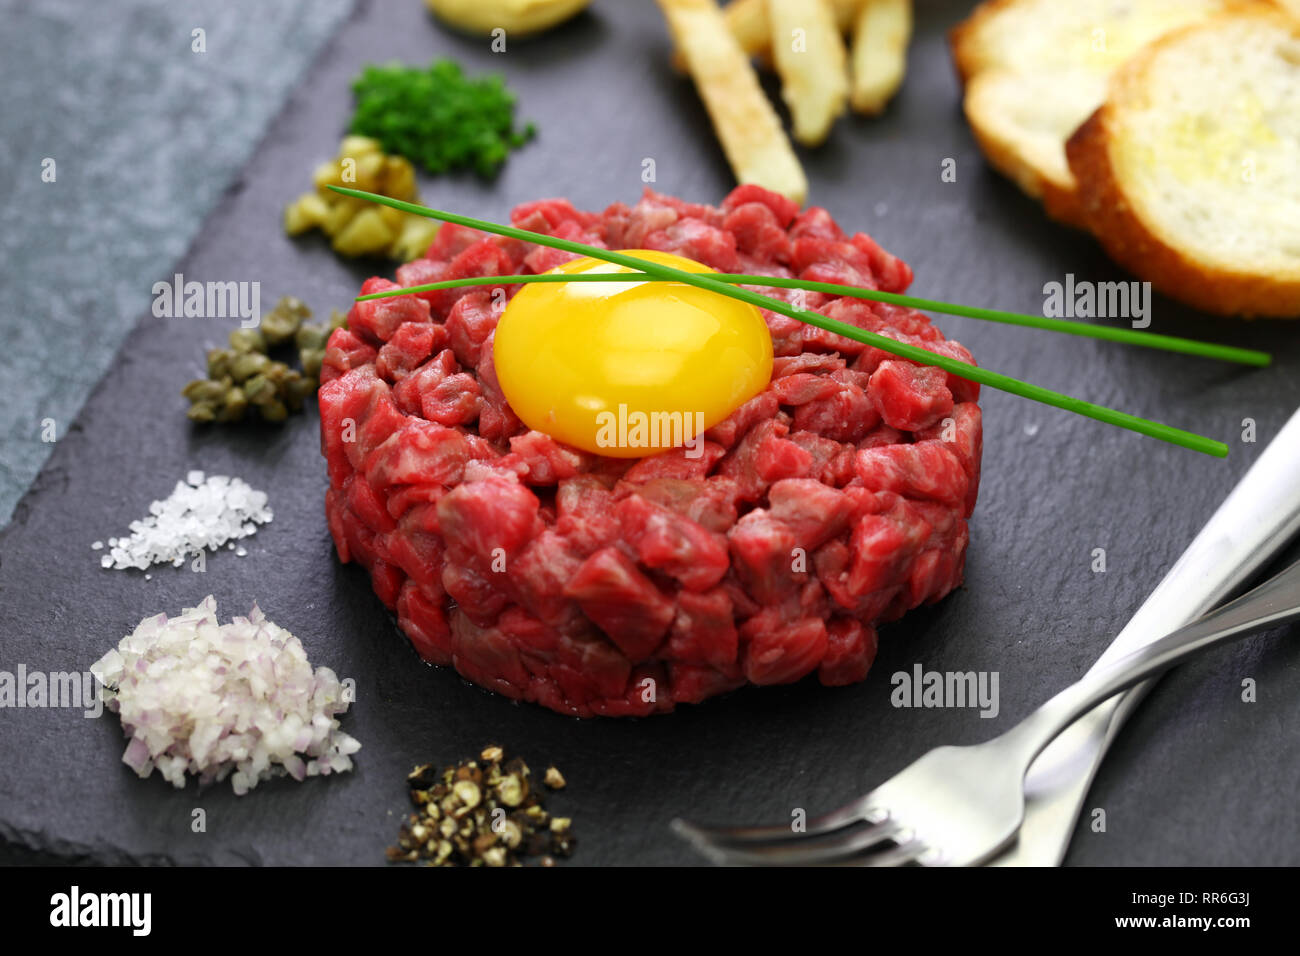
(145, 132)
(1198, 777)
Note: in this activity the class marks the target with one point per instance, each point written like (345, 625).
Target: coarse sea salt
(202, 512)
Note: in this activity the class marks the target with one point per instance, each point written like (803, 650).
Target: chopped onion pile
(206, 698)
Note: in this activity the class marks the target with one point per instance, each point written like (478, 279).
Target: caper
(280, 326)
(311, 337)
(247, 340)
(219, 362)
(232, 406)
(259, 389)
(281, 374)
(202, 412)
(301, 389)
(248, 364)
(274, 410)
(204, 390)
(312, 360)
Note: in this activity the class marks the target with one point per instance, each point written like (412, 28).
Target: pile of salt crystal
(202, 512)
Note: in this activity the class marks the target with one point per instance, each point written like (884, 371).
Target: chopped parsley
(438, 117)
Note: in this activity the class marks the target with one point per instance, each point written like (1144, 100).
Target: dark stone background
(1198, 776)
(145, 134)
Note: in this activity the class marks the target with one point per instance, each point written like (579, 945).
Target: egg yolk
(628, 369)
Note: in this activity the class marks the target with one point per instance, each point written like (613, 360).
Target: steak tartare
(834, 500)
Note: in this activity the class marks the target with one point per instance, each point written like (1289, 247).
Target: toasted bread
(1188, 173)
(1035, 69)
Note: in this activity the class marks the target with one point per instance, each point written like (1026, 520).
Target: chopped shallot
(218, 700)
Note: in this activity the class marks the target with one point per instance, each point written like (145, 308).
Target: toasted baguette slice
(1035, 69)
(1189, 175)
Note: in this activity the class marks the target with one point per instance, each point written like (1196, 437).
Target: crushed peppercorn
(481, 813)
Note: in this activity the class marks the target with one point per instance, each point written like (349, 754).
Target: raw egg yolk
(628, 369)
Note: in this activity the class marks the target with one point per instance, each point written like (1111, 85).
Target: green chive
(1151, 340)
(912, 353)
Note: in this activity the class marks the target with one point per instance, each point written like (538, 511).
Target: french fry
(880, 38)
(809, 55)
(748, 128)
(748, 22)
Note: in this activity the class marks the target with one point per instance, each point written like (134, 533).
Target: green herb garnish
(912, 353)
(1150, 340)
(438, 117)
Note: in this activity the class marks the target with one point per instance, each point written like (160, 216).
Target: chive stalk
(706, 281)
(1150, 340)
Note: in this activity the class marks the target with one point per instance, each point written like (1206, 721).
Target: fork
(960, 806)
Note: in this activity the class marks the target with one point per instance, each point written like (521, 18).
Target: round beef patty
(834, 500)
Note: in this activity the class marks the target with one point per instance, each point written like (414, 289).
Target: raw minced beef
(834, 500)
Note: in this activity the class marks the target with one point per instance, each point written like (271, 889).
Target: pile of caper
(243, 380)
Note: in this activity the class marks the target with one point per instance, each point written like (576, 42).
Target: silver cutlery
(959, 806)
(1255, 522)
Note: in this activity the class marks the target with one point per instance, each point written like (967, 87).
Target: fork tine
(808, 851)
(906, 852)
(845, 816)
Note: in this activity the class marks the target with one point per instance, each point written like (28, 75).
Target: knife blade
(1254, 523)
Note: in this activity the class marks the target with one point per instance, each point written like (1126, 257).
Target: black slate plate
(1198, 777)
